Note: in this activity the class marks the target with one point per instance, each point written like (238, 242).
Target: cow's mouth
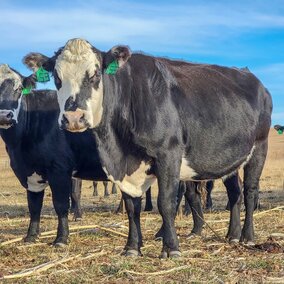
(6, 125)
(74, 130)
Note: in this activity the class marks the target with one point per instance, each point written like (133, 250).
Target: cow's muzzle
(74, 121)
(6, 119)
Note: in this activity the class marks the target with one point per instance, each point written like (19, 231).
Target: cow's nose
(74, 121)
(6, 117)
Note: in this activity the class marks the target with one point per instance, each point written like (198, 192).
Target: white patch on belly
(186, 172)
(34, 185)
(242, 165)
(135, 184)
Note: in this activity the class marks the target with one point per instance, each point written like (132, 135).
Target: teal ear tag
(112, 67)
(42, 75)
(280, 131)
(26, 91)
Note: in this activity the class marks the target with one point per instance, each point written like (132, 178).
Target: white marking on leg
(135, 184)
(35, 184)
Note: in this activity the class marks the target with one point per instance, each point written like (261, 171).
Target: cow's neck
(114, 135)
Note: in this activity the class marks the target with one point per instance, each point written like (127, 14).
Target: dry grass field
(96, 242)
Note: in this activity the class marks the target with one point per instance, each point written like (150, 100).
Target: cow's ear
(36, 60)
(30, 81)
(118, 55)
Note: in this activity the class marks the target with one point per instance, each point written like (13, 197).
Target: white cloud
(153, 27)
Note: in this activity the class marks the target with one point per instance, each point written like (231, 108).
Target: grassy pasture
(96, 242)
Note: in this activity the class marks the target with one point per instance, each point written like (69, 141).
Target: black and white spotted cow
(38, 149)
(155, 118)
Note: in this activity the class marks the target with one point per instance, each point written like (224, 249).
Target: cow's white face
(10, 96)
(77, 70)
(78, 80)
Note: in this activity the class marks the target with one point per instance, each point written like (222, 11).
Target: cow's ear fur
(29, 81)
(36, 60)
(121, 53)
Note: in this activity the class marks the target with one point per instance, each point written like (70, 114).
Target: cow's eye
(57, 81)
(96, 77)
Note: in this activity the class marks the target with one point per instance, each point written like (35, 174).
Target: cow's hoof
(31, 239)
(249, 244)
(59, 245)
(192, 236)
(175, 254)
(171, 254)
(77, 219)
(163, 254)
(233, 241)
(131, 253)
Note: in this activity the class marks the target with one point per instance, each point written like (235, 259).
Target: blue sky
(231, 33)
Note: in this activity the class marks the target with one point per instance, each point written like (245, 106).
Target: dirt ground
(94, 251)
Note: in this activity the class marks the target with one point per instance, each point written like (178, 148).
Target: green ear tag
(42, 75)
(26, 91)
(112, 67)
(280, 131)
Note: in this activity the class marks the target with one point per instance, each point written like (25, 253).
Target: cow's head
(11, 86)
(77, 70)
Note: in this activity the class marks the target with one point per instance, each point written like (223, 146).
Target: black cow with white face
(38, 149)
(158, 118)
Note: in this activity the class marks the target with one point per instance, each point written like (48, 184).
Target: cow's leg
(35, 200)
(76, 198)
(120, 207)
(252, 173)
(60, 185)
(95, 185)
(181, 190)
(194, 199)
(106, 194)
(209, 187)
(235, 199)
(148, 204)
(187, 209)
(167, 170)
(133, 209)
(113, 189)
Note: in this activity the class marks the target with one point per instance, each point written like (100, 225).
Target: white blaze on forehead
(35, 183)
(135, 184)
(75, 61)
(7, 73)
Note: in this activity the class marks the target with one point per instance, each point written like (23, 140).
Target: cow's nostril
(9, 115)
(82, 118)
(64, 119)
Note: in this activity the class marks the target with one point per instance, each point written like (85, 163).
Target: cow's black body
(176, 119)
(159, 110)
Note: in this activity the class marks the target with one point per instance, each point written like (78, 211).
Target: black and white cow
(38, 149)
(151, 118)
